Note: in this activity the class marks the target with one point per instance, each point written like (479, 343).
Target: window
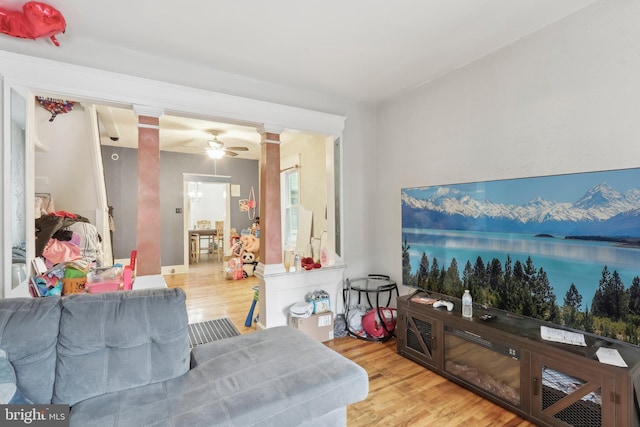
(290, 193)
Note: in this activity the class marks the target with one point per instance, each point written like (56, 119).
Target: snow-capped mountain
(603, 202)
(597, 206)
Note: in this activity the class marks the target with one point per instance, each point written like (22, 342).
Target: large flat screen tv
(563, 248)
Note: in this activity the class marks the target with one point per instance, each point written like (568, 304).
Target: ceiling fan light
(215, 153)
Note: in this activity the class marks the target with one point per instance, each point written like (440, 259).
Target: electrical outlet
(178, 210)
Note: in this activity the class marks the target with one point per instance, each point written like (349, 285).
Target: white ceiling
(119, 127)
(364, 50)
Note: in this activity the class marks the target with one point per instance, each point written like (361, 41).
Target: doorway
(206, 199)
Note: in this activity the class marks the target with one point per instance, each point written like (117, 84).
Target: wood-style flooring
(401, 392)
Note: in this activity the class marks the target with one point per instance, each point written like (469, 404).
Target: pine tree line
(524, 289)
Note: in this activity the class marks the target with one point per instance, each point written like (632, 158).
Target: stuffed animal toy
(249, 264)
(250, 243)
(244, 257)
(234, 237)
(245, 242)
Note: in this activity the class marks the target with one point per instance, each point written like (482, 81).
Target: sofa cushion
(28, 334)
(119, 340)
(276, 377)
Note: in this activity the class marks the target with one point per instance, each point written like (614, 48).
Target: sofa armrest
(119, 340)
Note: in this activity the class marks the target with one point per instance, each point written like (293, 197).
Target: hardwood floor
(401, 392)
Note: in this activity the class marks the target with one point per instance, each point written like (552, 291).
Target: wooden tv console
(505, 360)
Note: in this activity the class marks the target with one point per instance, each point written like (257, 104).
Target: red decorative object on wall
(34, 21)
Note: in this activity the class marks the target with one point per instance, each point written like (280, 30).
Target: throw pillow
(9, 393)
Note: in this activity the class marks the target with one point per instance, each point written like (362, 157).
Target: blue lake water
(564, 261)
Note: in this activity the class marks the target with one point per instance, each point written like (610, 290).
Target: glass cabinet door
(488, 365)
(17, 187)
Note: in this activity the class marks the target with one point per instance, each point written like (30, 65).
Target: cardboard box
(318, 326)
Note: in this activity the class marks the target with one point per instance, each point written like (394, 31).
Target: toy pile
(67, 247)
(244, 257)
(63, 278)
(314, 302)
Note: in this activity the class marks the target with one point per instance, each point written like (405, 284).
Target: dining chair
(203, 224)
(195, 248)
(219, 246)
(205, 241)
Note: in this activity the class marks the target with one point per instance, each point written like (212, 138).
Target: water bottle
(467, 304)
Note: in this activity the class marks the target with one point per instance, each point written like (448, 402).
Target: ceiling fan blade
(238, 148)
(230, 153)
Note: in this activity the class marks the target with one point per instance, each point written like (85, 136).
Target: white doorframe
(204, 179)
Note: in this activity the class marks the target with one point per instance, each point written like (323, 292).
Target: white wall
(565, 99)
(311, 152)
(212, 206)
(66, 167)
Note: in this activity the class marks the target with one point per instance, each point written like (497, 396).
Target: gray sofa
(123, 359)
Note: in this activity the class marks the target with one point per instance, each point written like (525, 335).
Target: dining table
(197, 235)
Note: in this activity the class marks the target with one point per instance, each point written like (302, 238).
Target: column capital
(270, 135)
(145, 110)
(270, 138)
(269, 128)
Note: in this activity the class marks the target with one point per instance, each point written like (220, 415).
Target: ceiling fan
(217, 150)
